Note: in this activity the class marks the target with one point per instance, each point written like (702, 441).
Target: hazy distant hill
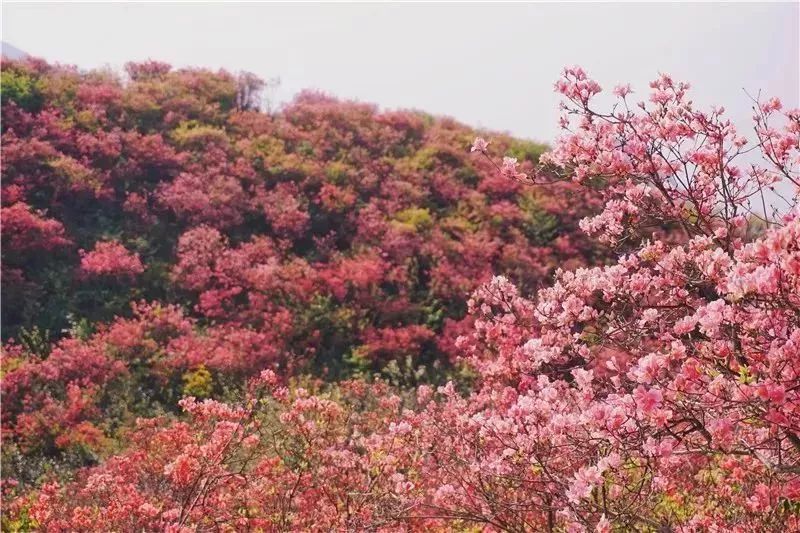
(12, 52)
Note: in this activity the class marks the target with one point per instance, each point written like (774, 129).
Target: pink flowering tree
(663, 389)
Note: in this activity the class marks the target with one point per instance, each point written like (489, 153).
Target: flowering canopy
(343, 218)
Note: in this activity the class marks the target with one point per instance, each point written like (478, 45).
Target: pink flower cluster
(110, 258)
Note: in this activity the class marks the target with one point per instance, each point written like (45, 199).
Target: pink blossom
(622, 90)
(647, 399)
(479, 145)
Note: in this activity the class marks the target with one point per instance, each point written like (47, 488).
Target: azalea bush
(651, 385)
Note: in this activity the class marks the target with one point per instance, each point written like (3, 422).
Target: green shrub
(526, 150)
(539, 226)
(414, 218)
(194, 134)
(198, 383)
(22, 89)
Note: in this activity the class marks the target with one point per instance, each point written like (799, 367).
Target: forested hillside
(162, 237)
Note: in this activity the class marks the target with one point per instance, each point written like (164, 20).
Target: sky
(488, 65)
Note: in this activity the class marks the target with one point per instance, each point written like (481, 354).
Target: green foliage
(336, 173)
(468, 176)
(35, 340)
(672, 509)
(433, 314)
(337, 326)
(357, 363)
(409, 372)
(80, 328)
(526, 150)
(74, 174)
(427, 119)
(193, 134)
(60, 91)
(30, 469)
(789, 507)
(424, 159)
(458, 225)
(22, 522)
(405, 373)
(538, 225)
(414, 218)
(198, 383)
(22, 89)
(305, 148)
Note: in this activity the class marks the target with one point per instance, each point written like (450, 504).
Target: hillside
(11, 52)
(162, 237)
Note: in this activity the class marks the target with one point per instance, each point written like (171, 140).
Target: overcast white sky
(487, 65)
